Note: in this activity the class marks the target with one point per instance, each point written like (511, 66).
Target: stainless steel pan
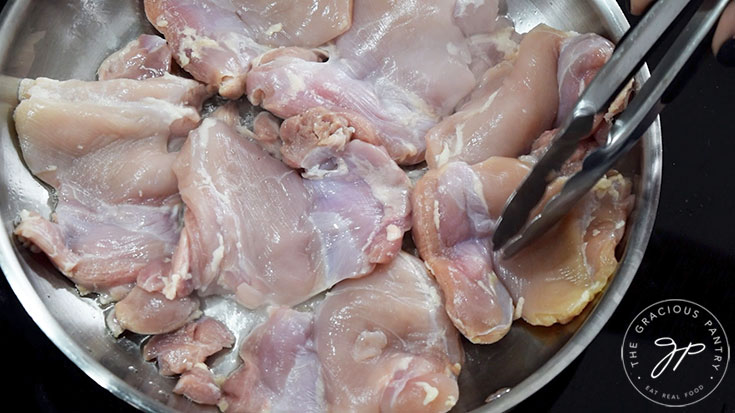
(68, 39)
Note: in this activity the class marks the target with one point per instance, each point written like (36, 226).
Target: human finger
(723, 43)
(637, 7)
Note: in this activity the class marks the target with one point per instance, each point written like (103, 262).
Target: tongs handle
(607, 84)
(649, 101)
(628, 58)
(628, 128)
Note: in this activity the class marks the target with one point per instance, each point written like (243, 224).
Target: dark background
(691, 255)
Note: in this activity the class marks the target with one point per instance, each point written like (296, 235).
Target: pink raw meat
(216, 40)
(143, 58)
(258, 228)
(390, 68)
(180, 351)
(380, 343)
(518, 100)
(103, 147)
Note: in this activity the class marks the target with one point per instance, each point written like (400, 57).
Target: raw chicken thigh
(180, 351)
(390, 68)
(184, 352)
(258, 228)
(266, 131)
(386, 342)
(199, 385)
(455, 212)
(472, 16)
(580, 58)
(146, 312)
(553, 279)
(281, 371)
(103, 147)
(59, 122)
(380, 343)
(306, 23)
(208, 40)
(514, 106)
(145, 57)
(491, 49)
(455, 209)
(216, 40)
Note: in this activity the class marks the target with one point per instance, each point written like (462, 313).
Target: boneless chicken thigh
(380, 343)
(216, 40)
(472, 16)
(185, 351)
(509, 117)
(386, 342)
(207, 39)
(281, 371)
(103, 147)
(272, 235)
(145, 312)
(145, 57)
(199, 385)
(518, 100)
(553, 280)
(306, 23)
(391, 68)
(580, 58)
(181, 350)
(455, 214)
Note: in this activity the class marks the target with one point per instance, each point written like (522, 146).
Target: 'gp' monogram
(662, 365)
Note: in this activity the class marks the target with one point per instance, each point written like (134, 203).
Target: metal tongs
(514, 230)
